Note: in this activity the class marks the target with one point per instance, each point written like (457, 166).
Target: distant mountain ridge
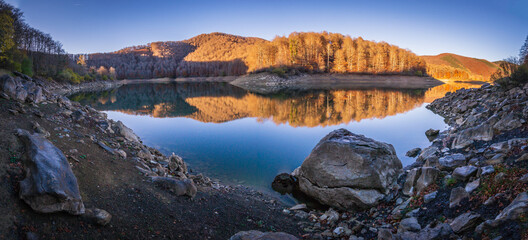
(220, 54)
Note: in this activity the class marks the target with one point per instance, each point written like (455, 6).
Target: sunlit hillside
(452, 66)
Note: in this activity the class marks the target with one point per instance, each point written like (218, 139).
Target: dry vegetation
(452, 66)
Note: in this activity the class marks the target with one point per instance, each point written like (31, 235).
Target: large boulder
(49, 185)
(346, 170)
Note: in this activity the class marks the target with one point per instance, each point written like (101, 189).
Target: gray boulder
(346, 170)
(450, 162)
(464, 173)
(409, 224)
(176, 164)
(431, 132)
(418, 179)
(178, 187)
(457, 195)
(465, 222)
(49, 184)
(465, 138)
(258, 235)
(126, 132)
(413, 152)
(440, 232)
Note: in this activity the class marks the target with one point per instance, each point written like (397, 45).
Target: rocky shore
(470, 183)
(69, 172)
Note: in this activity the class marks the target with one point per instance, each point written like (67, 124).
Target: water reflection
(245, 138)
(218, 102)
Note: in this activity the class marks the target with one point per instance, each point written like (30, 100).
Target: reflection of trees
(217, 102)
(440, 91)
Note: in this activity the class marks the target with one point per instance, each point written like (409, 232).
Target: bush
(69, 75)
(518, 78)
(27, 67)
(281, 72)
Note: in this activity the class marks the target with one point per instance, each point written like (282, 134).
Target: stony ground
(470, 183)
(140, 209)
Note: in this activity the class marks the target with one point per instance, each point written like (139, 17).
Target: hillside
(452, 66)
(220, 54)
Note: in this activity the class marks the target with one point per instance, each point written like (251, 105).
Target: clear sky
(489, 29)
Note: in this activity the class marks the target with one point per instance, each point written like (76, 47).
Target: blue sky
(489, 29)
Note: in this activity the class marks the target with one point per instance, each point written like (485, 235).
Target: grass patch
(487, 63)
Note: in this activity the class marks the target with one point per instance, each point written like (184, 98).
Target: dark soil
(139, 209)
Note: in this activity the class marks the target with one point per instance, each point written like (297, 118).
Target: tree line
(334, 52)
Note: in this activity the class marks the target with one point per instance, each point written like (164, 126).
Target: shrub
(69, 75)
(518, 78)
(27, 67)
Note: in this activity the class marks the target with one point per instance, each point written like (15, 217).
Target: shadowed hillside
(456, 67)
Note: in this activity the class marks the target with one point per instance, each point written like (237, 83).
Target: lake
(239, 137)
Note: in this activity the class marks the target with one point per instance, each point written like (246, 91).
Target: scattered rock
(430, 197)
(409, 224)
(457, 195)
(178, 187)
(98, 216)
(465, 222)
(472, 186)
(432, 132)
(450, 162)
(464, 173)
(258, 235)
(284, 183)
(126, 132)
(298, 207)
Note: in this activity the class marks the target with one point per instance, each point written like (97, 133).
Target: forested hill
(214, 54)
(218, 54)
(452, 66)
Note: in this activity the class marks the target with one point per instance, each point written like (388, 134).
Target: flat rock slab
(49, 185)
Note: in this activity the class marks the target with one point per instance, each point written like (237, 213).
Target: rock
(98, 216)
(465, 222)
(8, 85)
(145, 154)
(396, 212)
(284, 183)
(258, 235)
(464, 173)
(427, 154)
(427, 177)
(499, 177)
(121, 153)
(432, 132)
(126, 132)
(522, 158)
(338, 231)
(176, 164)
(472, 186)
(517, 209)
(430, 197)
(39, 129)
(450, 162)
(301, 214)
(413, 152)
(49, 185)
(418, 179)
(384, 234)
(457, 195)
(297, 207)
(347, 170)
(508, 122)
(178, 187)
(440, 232)
(486, 170)
(410, 181)
(78, 115)
(21, 94)
(483, 132)
(497, 159)
(107, 148)
(524, 178)
(330, 216)
(409, 224)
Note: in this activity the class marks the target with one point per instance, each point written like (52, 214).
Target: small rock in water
(431, 132)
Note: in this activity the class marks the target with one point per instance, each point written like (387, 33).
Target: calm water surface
(239, 137)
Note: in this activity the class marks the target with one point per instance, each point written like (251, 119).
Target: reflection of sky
(252, 152)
